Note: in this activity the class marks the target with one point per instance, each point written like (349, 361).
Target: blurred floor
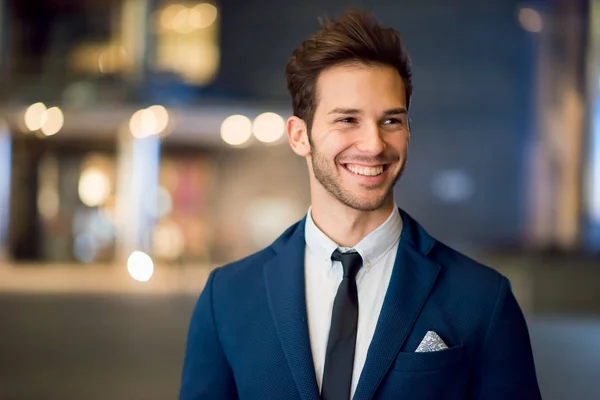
(98, 347)
(63, 347)
(567, 356)
(127, 341)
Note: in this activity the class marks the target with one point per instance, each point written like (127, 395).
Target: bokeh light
(35, 116)
(94, 187)
(141, 122)
(161, 114)
(140, 266)
(530, 20)
(149, 121)
(181, 21)
(54, 121)
(236, 130)
(268, 127)
(208, 15)
(168, 15)
(184, 20)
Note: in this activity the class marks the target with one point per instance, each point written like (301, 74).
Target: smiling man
(356, 300)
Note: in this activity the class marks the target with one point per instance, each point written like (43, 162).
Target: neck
(347, 226)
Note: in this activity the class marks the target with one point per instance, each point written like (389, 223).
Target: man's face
(359, 137)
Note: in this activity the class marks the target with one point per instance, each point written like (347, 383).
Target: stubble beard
(326, 177)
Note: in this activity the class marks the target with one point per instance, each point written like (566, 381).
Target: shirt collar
(371, 248)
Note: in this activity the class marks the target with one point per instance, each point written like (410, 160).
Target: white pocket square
(431, 342)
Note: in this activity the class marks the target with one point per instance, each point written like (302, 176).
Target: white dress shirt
(323, 276)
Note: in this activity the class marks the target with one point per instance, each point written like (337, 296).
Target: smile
(366, 170)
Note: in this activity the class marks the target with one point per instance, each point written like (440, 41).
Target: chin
(366, 204)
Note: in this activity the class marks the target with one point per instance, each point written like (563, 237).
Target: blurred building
(157, 126)
(116, 112)
(143, 132)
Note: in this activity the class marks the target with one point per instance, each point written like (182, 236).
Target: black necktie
(339, 358)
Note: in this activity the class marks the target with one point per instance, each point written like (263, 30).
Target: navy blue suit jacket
(248, 337)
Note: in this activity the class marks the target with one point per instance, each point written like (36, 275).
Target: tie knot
(351, 262)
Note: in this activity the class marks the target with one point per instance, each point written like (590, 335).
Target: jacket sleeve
(206, 372)
(505, 368)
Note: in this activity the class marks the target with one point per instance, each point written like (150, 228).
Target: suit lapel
(412, 280)
(284, 279)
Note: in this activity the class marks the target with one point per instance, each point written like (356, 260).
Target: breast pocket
(429, 361)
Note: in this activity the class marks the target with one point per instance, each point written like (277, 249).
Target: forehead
(360, 86)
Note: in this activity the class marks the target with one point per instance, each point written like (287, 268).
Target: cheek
(332, 147)
(399, 143)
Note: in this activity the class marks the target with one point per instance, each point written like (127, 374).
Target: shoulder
(459, 265)
(463, 272)
(466, 286)
(250, 264)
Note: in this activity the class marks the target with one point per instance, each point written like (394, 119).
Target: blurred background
(142, 144)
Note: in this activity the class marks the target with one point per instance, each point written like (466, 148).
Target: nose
(371, 141)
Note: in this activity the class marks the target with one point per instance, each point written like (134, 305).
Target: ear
(298, 136)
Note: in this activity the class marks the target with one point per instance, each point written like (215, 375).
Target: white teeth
(367, 171)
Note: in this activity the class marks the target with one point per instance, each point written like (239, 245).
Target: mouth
(366, 170)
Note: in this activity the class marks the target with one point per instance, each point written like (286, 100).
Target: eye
(393, 121)
(347, 120)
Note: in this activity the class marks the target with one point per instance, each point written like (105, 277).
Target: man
(356, 300)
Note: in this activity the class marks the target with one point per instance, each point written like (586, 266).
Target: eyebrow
(395, 111)
(354, 111)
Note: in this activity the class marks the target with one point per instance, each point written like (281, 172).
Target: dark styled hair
(355, 37)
